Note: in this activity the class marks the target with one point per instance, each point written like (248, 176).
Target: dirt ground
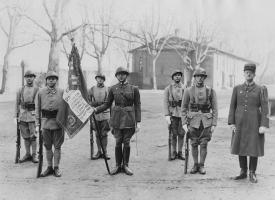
(154, 177)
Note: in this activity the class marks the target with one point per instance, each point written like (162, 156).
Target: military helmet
(29, 73)
(200, 72)
(122, 70)
(51, 74)
(101, 76)
(176, 72)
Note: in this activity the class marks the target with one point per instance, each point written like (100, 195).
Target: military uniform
(24, 112)
(199, 112)
(47, 104)
(248, 112)
(125, 115)
(98, 95)
(173, 94)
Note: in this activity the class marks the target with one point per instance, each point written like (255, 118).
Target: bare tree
(149, 37)
(55, 33)
(14, 18)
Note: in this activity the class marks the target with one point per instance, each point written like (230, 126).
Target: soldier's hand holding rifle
(138, 127)
(168, 119)
(36, 129)
(185, 128)
(233, 127)
(213, 129)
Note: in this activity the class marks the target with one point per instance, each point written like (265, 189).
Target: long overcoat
(248, 111)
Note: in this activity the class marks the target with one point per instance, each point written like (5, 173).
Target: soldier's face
(249, 75)
(199, 79)
(29, 79)
(177, 78)
(99, 80)
(51, 81)
(121, 77)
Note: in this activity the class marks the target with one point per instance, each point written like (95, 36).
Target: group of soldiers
(37, 109)
(188, 110)
(193, 111)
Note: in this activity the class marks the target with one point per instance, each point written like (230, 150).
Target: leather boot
(118, 155)
(252, 177)
(57, 172)
(195, 169)
(180, 156)
(48, 171)
(126, 156)
(26, 158)
(201, 169)
(34, 158)
(174, 155)
(243, 175)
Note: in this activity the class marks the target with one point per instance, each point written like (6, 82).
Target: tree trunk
(188, 75)
(155, 87)
(5, 72)
(54, 56)
(99, 64)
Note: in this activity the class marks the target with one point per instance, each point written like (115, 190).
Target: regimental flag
(75, 111)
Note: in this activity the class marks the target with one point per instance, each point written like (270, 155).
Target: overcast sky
(243, 25)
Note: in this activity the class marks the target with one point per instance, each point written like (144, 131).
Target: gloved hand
(185, 128)
(15, 120)
(138, 127)
(212, 128)
(168, 119)
(233, 127)
(37, 129)
(262, 130)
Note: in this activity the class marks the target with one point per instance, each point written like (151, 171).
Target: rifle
(18, 143)
(40, 152)
(186, 152)
(169, 143)
(100, 142)
(91, 140)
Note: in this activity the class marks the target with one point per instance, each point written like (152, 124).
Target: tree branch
(22, 45)
(70, 31)
(38, 25)
(3, 29)
(47, 12)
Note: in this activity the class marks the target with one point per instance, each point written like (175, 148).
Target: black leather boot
(26, 158)
(48, 171)
(243, 175)
(126, 156)
(174, 155)
(97, 156)
(195, 168)
(202, 169)
(252, 177)
(180, 156)
(118, 155)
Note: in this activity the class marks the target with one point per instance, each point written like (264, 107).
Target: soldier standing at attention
(248, 118)
(172, 104)
(199, 115)
(47, 103)
(98, 95)
(25, 115)
(125, 118)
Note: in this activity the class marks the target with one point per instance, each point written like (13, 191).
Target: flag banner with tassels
(75, 111)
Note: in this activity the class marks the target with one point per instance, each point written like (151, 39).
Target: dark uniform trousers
(104, 128)
(177, 131)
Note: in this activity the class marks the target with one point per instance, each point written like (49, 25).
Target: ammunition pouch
(175, 103)
(204, 108)
(49, 113)
(28, 106)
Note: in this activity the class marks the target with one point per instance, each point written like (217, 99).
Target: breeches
(53, 138)
(123, 136)
(27, 129)
(200, 136)
(176, 126)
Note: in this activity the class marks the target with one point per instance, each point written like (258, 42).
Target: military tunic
(24, 110)
(248, 111)
(173, 94)
(199, 112)
(47, 104)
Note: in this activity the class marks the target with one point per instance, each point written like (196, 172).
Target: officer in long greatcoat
(25, 115)
(199, 115)
(173, 94)
(248, 118)
(48, 102)
(125, 118)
